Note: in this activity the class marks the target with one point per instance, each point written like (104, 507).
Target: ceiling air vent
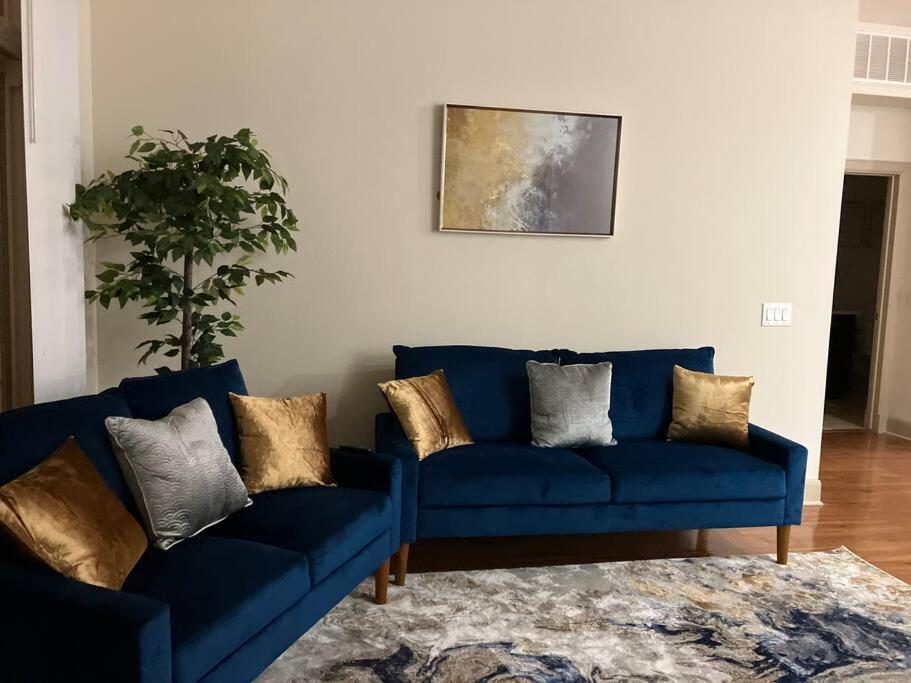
(882, 58)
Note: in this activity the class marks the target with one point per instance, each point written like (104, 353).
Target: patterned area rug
(826, 616)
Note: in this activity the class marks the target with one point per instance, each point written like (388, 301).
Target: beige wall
(735, 121)
(894, 12)
(897, 369)
(880, 129)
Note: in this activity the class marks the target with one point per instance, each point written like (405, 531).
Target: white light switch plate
(776, 315)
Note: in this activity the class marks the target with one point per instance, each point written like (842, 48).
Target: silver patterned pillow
(178, 470)
(570, 404)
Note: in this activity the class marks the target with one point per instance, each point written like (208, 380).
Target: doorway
(16, 383)
(857, 302)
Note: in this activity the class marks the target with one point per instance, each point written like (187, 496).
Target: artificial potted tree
(195, 214)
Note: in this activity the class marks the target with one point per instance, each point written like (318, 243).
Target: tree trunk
(186, 336)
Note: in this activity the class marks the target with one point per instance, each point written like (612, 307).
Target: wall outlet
(776, 315)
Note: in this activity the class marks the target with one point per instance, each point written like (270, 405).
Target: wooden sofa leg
(784, 539)
(702, 541)
(401, 564)
(381, 578)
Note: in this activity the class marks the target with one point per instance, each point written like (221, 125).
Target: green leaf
(137, 130)
(107, 276)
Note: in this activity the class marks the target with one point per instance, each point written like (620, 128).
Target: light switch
(776, 315)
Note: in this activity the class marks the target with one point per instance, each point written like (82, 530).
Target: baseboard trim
(897, 427)
(812, 493)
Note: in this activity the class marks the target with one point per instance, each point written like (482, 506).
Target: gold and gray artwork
(520, 171)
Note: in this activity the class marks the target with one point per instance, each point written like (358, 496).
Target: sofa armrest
(357, 468)
(792, 458)
(391, 439)
(58, 628)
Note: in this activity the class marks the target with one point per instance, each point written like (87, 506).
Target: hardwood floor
(866, 488)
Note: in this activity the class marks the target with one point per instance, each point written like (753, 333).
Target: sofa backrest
(490, 385)
(151, 398)
(29, 435)
(642, 385)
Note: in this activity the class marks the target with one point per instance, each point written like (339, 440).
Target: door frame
(899, 177)
(16, 361)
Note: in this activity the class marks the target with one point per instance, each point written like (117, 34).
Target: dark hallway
(854, 304)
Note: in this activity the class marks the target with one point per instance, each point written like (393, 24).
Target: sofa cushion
(570, 404)
(328, 524)
(221, 593)
(427, 412)
(29, 435)
(489, 385)
(654, 471)
(62, 513)
(509, 474)
(283, 441)
(642, 385)
(178, 470)
(151, 398)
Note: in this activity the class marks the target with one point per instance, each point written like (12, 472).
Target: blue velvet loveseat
(216, 607)
(502, 485)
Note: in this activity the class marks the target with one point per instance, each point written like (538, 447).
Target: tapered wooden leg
(381, 577)
(784, 538)
(401, 564)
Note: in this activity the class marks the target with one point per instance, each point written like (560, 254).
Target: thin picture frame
(441, 195)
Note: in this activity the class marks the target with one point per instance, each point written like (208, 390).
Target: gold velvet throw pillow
(428, 413)
(63, 513)
(709, 408)
(283, 441)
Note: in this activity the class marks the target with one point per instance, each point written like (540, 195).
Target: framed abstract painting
(523, 171)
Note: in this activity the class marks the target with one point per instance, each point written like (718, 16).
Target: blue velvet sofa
(502, 485)
(217, 607)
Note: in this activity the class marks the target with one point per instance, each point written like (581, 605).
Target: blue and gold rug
(826, 616)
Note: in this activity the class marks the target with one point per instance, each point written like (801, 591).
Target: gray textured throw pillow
(178, 470)
(570, 404)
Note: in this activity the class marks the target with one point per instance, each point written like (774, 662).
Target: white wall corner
(87, 172)
(52, 168)
(812, 493)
